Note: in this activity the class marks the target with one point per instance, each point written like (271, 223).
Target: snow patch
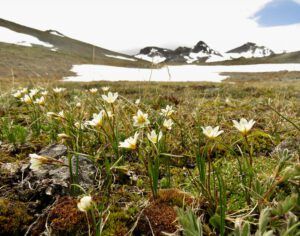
(153, 59)
(87, 73)
(254, 53)
(121, 57)
(216, 58)
(12, 37)
(54, 32)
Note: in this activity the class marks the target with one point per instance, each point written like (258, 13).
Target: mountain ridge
(57, 60)
(201, 52)
(51, 54)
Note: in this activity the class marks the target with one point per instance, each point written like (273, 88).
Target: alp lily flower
(51, 114)
(78, 105)
(111, 97)
(137, 102)
(58, 90)
(17, 94)
(243, 126)
(79, 125)
(33, 92)
(105, 89)
(168, 124)
(168, 111)
(153, 137)
(27, 99)
(61, 114)
(63, 136)
(40, 101)
(85, 203)
(36, 161)
(140, 119)
(97, 120)
(44, 93)
(24, 90)
(93, 90)
(211, 132)
(130, 143)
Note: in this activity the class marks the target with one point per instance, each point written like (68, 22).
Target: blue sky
(279, 12)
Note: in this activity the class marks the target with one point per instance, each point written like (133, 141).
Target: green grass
(234, 195)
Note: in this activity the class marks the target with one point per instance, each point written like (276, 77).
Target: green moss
(117, 224)
(14, 217)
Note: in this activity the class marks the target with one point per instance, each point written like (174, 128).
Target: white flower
(63, 136)
(153, 137)
(168, 124)
(97, 120)
(61, 114)
(85, 203)
(40, 101)
(93, 90)
(33, 92)
(137, 102)
(211, 132)
(79, 125)
(24, 90)
(168, 111)
(17, 94)
(105, 89)
(78, 105)
(51, 114)
(140, 119)
(130, 143)
(58, 90)
(110, 98)
(27, 99)
(36, 161)
(44, 93)
(243, 126)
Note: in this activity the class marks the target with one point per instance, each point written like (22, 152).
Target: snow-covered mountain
(155, 55)
(32, 53)
(201, 52)
(250, 50)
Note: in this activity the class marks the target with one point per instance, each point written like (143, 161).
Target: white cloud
(123, 25)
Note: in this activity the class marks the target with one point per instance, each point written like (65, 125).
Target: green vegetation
(156, 165)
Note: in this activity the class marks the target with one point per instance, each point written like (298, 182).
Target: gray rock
(291, 144)
(54, 151)
(56, 179)
(10, 168)
(86, 169)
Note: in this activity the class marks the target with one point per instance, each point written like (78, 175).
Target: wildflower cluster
(136, 146)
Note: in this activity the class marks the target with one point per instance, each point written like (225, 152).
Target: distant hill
(50, 53)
